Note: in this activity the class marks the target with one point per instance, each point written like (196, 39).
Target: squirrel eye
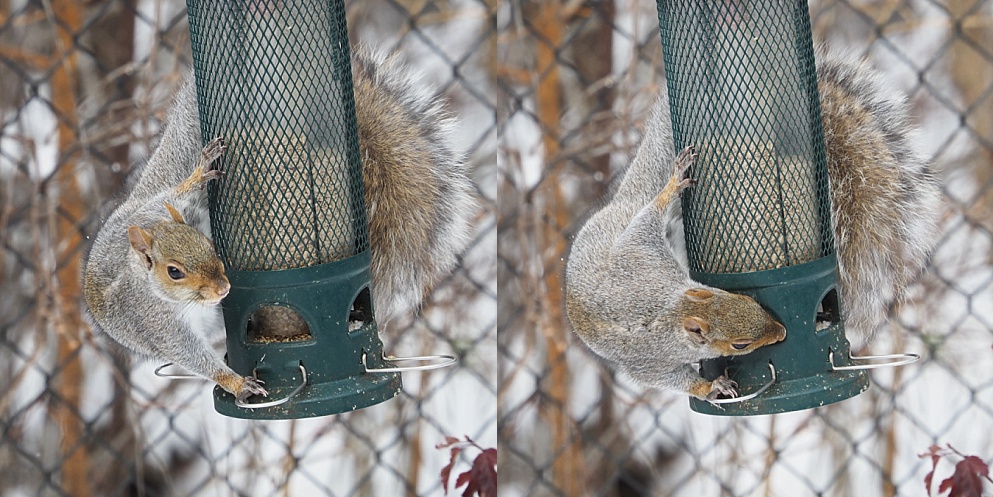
(740, 346)
(175, 273)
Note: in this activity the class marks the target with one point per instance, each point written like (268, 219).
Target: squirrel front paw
(250, 386)
(214, 149)
(205, 169)
(678, 182)
(684, 160)
(242, 387)
(208, 159)
(722, 385)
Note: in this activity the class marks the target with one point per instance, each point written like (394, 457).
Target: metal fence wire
(576, 80)
(84, 87)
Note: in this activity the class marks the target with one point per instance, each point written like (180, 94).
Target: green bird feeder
(743, 91)
(288, 218)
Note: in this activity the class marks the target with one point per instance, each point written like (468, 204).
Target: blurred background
(575, 80)
(84, 87)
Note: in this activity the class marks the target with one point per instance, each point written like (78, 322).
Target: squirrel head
(181, 263)
(727, 323)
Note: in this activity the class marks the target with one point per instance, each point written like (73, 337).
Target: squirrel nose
(223, 288)
(780, 332)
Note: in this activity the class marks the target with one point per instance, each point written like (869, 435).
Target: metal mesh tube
(274, 79)
(743, 91)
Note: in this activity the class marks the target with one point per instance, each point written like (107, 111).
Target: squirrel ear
(699, 294)
(176, 216)
(696, 328)
(141, 242)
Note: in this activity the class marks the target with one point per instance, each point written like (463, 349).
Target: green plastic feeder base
(792, 395)
(328, 297)
(804, 375)
(333, 397)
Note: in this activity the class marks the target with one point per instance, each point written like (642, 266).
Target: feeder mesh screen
(743, 91)
(274, 79)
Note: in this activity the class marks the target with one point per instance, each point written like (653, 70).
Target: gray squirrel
(152, 279)
(629, 295)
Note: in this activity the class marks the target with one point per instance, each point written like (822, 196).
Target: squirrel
(152, 279)
(629, 295)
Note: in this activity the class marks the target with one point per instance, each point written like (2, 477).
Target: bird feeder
(288, 218)
(743, 91)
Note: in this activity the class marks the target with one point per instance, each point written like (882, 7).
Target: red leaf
(481, 479)
(471, 489)
(465, 479)
(935, 453)
(975, 465)
(447, 470)
(449, 441)
(484, 473)
(965, 481)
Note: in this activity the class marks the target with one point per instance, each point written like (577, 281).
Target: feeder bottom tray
(791, 395)
(321, 399)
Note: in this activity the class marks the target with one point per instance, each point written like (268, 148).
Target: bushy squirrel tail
(418, 193)
(885, 201)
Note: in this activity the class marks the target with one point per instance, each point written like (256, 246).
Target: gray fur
(624, 279)
(406, 267)
(421, 227)
(626, 274)
(118, 292)
(124, 300)
(885, 240)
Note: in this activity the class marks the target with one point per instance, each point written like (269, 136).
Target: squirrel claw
(251, 386)
(206, 168)
(212, 174)
(686, 157)
(723, 385)
(684, 160)
(214, 149)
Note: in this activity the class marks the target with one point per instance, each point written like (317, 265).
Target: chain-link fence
(576, 80)
(84, 87)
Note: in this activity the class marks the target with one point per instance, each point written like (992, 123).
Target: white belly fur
(205, 321)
